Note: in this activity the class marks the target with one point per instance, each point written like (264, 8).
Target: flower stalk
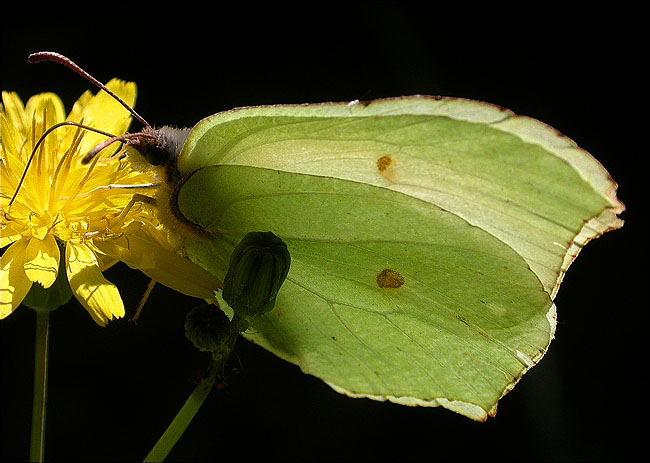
(192, 405)
(184, 416)
(258, 267)
(37, 440)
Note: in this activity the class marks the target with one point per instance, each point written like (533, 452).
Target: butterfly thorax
(158, 151)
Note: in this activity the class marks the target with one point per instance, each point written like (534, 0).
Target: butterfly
(428, 235)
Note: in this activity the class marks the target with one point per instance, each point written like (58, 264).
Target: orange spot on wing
(388, 278)
(383, 163)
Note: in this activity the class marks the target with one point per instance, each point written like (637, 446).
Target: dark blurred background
(113, 390)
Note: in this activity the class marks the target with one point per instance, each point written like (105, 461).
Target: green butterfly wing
(428, 237)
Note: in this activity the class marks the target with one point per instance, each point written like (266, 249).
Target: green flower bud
(258, 266)
(208, 328)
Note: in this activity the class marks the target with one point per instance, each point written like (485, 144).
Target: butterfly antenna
(58, 58)
(120, 138)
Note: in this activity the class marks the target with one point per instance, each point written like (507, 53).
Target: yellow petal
(163, 265)
(14, 112)
(99, 296)
(42, 260)
(103, 112)
(8, 236)
(14, 284)
(47, 105)
(181, 275)
(107, 262)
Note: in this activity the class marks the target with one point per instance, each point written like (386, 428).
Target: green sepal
(259, 264)
(208, 328)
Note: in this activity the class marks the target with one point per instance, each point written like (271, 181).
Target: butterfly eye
(155, 155)
(159, 146)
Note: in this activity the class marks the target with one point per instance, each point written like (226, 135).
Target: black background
(113, 390)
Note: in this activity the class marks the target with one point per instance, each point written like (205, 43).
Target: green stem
(184, 417)
(37, 441)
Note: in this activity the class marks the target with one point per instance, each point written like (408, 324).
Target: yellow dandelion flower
(82, 215)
